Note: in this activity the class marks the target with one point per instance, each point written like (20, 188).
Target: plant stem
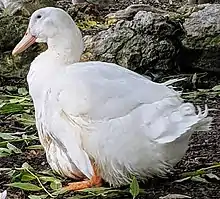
(40, 183)
(210, 167)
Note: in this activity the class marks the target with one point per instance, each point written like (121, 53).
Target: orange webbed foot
(95, 181)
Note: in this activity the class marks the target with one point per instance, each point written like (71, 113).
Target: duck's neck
(67, 47)
(63, 50)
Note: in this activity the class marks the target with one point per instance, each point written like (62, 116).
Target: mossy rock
(12, 29)
(150, 43)
(26, 7)
(17, 66)
(29, 6)
(203, 40)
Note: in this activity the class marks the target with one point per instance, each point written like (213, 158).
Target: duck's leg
(95, 181)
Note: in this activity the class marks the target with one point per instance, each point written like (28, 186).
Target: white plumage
(102, 113)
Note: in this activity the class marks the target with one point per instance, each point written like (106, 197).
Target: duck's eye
(38, 16)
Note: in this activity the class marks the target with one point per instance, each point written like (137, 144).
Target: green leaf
(27, 177)
(17, 99)
(25, 186)
(216, 88)
(2, 104)
(60, 191)
(47, 179)
(212, 176)
(56, 184)
(36, 147)
(22, 91)
(11, 173)
(26, 166)
(5, 169)
(16, 176)
(3, 144)
(194, 78)
(199, 179)
(8, 136)
(175, 196)
(95, 190)
(4, 152)
(134, 188)
(11, 88)
(37, 197)
(26, 119)
(13, 148)
(30, 137)
(11, 108)
(47, 172)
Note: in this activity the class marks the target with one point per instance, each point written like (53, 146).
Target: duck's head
(55, 27)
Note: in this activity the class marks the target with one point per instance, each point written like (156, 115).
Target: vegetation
(18, 136)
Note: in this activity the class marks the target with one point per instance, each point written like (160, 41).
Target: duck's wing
(103, 91)
(97, 92)
(72, 144)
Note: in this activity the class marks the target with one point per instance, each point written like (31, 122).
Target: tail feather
(180, 144)
(204, 123)
(172, 81)
(185, 121)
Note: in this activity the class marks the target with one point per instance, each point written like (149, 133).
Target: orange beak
(25, 42)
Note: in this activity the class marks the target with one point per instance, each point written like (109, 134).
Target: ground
(17, 121)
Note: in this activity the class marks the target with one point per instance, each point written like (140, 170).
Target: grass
(19, 108)
(15, 139)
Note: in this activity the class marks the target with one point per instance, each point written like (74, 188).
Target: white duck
(98, 120)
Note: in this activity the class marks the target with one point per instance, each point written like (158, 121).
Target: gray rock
(12, 29)
(11, 5)
(203, 23)
(133, 9)
(203, 37)
(17, 66)
(148, 43)
(78, 1)
(96, 2)
(27, 7)
(198, 1)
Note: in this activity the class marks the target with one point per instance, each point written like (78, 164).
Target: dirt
(204, 147)
(204, 150)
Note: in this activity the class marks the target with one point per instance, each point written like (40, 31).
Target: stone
(150, 42)
(23, 7)
(98, 2)
(203, 37)
(12, 30)
(130, 11)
